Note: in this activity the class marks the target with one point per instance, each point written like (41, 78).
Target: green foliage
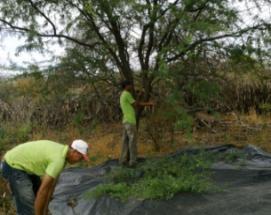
(203, 92)
(15, 133)
(78, 118)
(23, 132)
(120, 191)
(2, 133)
(177, 113)
(230, 157)
(169, 117)
(243, 56)
(109, 33)
(265, 107)
(184, 121)
(158, 179)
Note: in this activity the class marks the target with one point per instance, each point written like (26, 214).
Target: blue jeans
(24, 188)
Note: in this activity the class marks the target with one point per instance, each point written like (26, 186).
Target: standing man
(32, 170)
(128, 106)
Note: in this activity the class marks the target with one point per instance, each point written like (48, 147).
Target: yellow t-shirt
(128, 111)
(38, 157)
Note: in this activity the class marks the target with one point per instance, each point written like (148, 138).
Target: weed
(157, 179)
(230, 157)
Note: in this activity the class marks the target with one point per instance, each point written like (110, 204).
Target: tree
(135, 38)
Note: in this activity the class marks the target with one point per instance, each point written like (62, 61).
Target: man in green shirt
(32, 170)
(128, 107)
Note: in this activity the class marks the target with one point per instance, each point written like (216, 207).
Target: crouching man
(32, 169)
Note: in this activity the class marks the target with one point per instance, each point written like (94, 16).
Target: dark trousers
(24, 188)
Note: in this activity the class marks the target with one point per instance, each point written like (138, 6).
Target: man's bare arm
(44, 191)
(49, 197)
(149, 103)
(143, 104)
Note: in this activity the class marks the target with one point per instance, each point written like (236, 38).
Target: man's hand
(144, 104)
(150, 103)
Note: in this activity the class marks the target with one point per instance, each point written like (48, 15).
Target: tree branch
(43, 15)
(151, 35)
(28, 30)
(89, 17)
(116, 31)
(199, 10)
(233, 34)
(144, 61)
(141, 45)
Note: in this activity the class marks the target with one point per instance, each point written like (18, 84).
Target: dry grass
(240, 131)
(6, 206)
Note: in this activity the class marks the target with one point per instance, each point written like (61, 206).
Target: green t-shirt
(128, 111)
(38, 157)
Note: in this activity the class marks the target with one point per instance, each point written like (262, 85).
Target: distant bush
(265, 108)
(56, 100)
(14, 133)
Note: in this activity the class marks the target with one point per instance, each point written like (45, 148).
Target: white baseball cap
(82, 147)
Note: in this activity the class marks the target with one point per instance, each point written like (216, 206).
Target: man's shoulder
(44, 147)
(45, 143)
(41, 142)
(125, 94)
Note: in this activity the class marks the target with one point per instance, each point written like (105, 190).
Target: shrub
(157, 179)
(14, 133)
(265, 108)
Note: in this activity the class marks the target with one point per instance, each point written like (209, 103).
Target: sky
(9, 54)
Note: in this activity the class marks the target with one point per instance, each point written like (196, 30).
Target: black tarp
(245, 189)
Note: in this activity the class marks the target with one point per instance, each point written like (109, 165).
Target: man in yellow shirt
(32, 170)
(129, 142)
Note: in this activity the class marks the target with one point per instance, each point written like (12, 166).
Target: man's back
(38, 157)
(126, 101)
